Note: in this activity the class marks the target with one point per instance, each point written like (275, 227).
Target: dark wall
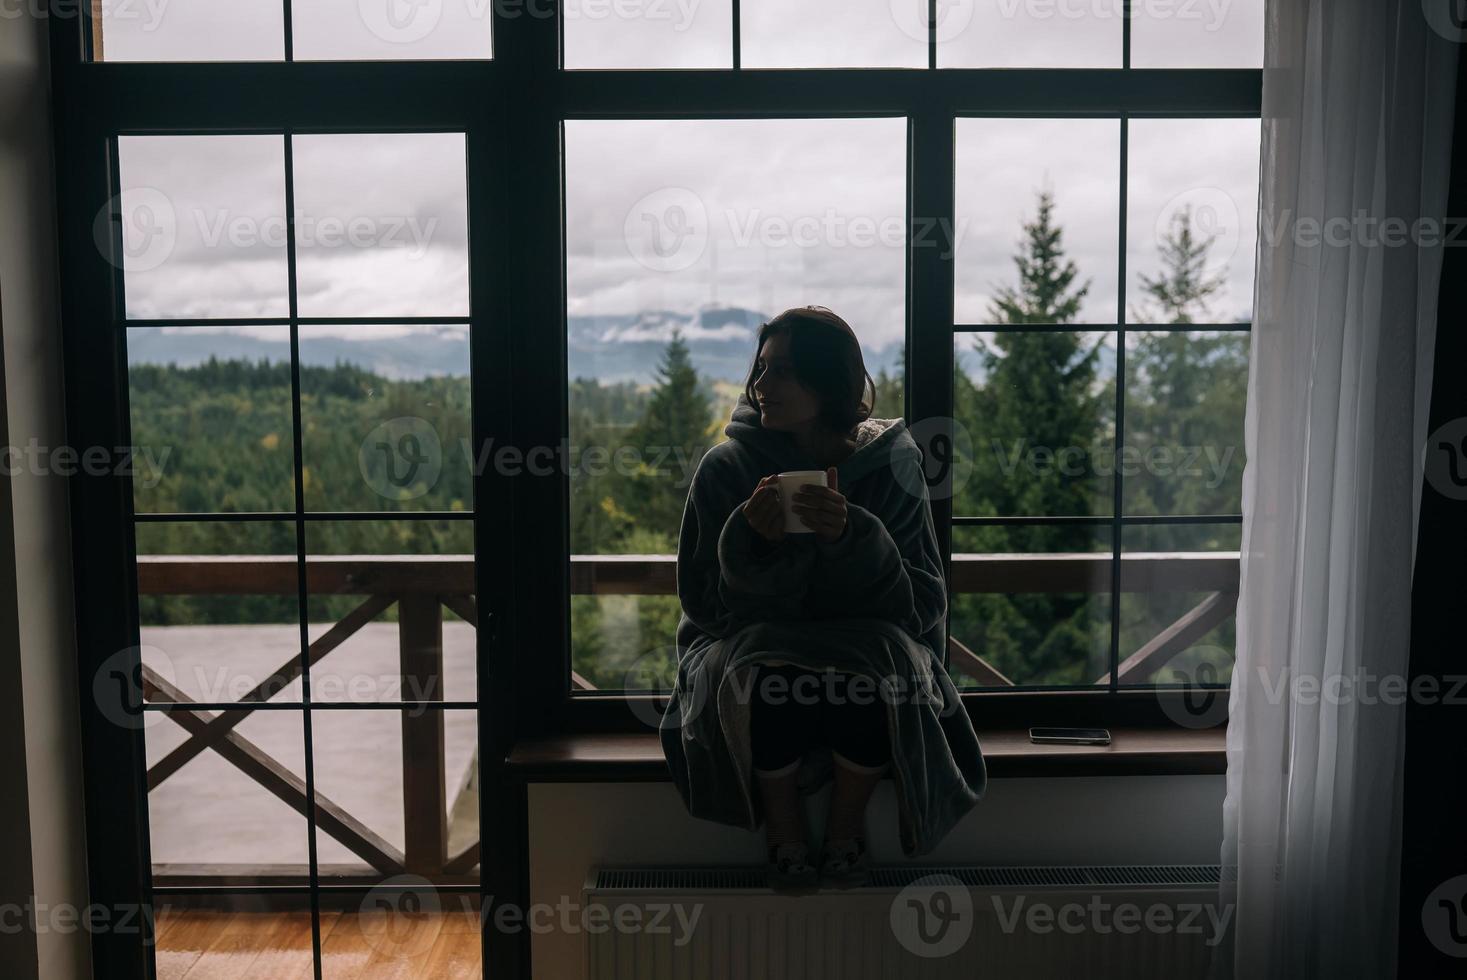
(1434, 838)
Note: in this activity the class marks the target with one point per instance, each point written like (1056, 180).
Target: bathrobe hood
(878, 443)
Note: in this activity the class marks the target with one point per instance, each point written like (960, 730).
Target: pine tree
(1185, 284)
(1185, 394)
(1039, 388)
(1043, 295)
(1185, 387)
(1037, 392)
(666, 440)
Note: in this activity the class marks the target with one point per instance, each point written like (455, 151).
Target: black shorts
(792, 709)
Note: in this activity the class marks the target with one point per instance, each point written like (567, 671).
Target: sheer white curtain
(1357, 125)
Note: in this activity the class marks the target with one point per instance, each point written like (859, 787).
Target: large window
(1102, 288)
(297, 335)
(339, 580)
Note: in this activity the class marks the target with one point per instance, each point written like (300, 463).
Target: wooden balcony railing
(422, 587)
(1213, 573)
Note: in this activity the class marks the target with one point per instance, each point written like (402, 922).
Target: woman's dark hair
(826, 358)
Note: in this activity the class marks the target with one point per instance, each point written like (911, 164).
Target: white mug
(789, 483)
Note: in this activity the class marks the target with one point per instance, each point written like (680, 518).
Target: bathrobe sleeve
(726, 576)
(887, 562)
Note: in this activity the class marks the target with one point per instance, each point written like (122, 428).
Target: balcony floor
(197, 943)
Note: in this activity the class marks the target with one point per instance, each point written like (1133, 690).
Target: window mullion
(929, 386)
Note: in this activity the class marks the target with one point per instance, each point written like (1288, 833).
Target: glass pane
(648, 34)
(683, 236)
(381, 225)
(1192, 220)
(219, 610)
(233, 935)
(1030, 605)
(715, 225)
(1043, 190)
(404, 927)
(1178, 615)
(201, 400)
(624, 642)
(364, 757)
(1185, 398)
(1197, 35)
(385, 417)
(191, 30)
(233, 809)
(1034, 432)
(203, 226)
(834, 34)
(396, 598)
(392, 30)
(1029, 34)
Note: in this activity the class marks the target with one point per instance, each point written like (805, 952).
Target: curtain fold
(1357, 126)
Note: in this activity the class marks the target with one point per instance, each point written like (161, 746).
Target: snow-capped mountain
(624, 347)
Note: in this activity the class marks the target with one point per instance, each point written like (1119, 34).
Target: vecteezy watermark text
(1102, 918)
(65, 918)
(1163, 460)
(390, 908)
(149, 12)
(669, 229)
(142, 463)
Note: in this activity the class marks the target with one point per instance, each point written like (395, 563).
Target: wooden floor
(207, 943)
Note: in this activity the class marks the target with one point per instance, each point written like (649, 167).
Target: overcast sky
(698, 33)
(675, 215)
(381, 225)
(763, 214)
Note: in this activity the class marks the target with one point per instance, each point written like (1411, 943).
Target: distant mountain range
(625, 347)
(720, 340)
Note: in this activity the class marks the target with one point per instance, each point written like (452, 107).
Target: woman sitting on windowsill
(807, 657)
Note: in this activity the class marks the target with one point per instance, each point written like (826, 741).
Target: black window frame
(931, 101)
(511, 109)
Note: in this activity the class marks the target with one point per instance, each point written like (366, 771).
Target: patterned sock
(854, 784)
(783, 818)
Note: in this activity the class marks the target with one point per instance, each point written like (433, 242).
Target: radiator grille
(999, 923)
(1068, 876)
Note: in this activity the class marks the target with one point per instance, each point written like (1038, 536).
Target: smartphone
(1070, 736)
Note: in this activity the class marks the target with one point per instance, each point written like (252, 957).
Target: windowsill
(1007, 752)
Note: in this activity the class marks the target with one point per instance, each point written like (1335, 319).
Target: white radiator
(1132, 923)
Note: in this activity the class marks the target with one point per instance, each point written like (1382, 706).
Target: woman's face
(784, 403)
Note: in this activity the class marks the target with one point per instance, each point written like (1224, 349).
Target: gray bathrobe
(872, 603)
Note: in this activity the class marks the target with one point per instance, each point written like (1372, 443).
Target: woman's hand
(763, 512)
(823, 509)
